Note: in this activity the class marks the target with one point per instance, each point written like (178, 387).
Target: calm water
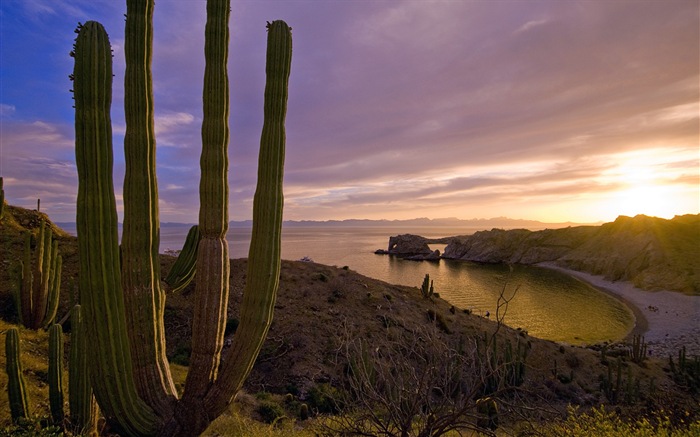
(547, 303)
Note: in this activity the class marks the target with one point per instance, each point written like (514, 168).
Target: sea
(547, 304)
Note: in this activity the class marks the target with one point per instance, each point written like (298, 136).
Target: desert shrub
(323, 398)
(599, 423)
(32, 427)
(270, 411)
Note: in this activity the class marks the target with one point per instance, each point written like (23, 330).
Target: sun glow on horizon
(648, 182)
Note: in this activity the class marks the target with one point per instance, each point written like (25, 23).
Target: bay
(547, 303)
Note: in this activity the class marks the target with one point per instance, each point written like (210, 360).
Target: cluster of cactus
(610, 386)
(505, 367)
(129, 367)
(2, 199)
(686, 372)
(39, 284)
(638, 351)
(185, 267)
(426, 288)
(83, 409)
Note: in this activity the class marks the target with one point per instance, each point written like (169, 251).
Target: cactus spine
(40, 284)
(16, 387)
(184, 269)
(83, 409)
(56, 373)
(126, 362)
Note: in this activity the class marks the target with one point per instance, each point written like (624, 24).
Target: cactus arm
(264, 257)
(185, 267)
(42, 276)
(54, 291)
(56, 373)
(143, 296)
(212, 289)
(16, 387)
(83, 409)
(100, 282)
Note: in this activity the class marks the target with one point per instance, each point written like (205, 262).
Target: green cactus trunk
(120, 367)
(263, 272)
(56, 373)
(143, 294)
(16, 387)
(100, 282)
(212, 289)
(83, 408)
(185, 267)
(40, 284)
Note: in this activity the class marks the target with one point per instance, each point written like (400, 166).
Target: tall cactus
(56, 373)
(16, 387)
(83, 409)
(130, 375)
(184, 269)
(100, 282)
(40, 284)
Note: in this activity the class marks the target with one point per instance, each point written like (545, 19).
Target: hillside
(322, 309)
(651, 253)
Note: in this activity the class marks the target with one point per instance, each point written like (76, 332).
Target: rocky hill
(651, 253)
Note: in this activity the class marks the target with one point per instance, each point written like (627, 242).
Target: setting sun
(647, 183)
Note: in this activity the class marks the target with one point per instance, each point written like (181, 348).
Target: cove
(548, 304)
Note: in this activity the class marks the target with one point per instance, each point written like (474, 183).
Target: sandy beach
(668, 320)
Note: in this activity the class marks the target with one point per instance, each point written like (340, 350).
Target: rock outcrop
(651, 253)
(411, 247)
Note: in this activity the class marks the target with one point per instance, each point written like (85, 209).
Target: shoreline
(668, 320)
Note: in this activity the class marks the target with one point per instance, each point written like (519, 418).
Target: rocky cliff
(650, 252)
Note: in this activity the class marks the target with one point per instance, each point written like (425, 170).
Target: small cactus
(427, 287)
(56, 373)
(16, 387)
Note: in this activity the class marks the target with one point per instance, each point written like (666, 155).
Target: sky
(546, 110)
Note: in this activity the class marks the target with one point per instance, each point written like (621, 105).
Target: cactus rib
(16, 387)
(100, 282)
(56, 373)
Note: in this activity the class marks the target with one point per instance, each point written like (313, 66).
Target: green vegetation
(426, 288)
(184, 269)
(132, 378)
(16, 386)
(39, 282)
(601, 423)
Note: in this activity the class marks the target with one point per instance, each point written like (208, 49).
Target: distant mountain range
(423, 222)
(452, 222)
